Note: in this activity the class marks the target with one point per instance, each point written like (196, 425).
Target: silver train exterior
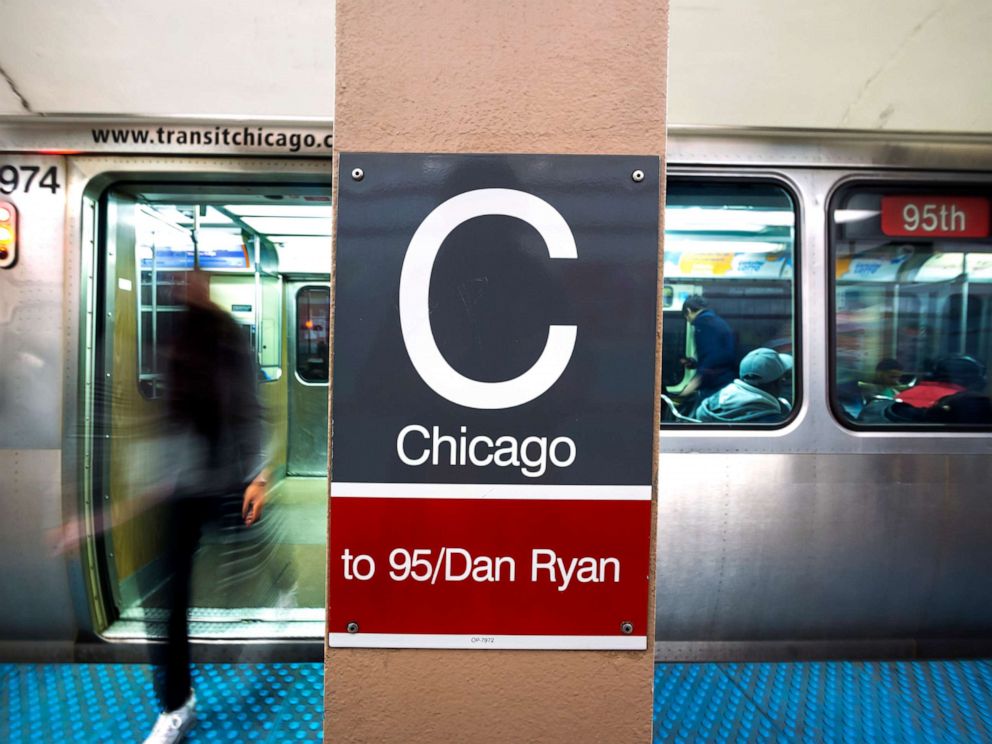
(807, 540)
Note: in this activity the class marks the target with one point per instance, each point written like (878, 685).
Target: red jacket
(926, 393)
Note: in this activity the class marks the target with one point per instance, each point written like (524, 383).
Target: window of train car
(729, 299)
(164, 257)
(313, 310)
(912, 306)
(246, 248)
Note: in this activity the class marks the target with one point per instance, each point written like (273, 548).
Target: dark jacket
(884, 411)
(716, 354)
(214, 414)
(960, 408)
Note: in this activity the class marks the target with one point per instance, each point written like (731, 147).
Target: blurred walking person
(215, 439)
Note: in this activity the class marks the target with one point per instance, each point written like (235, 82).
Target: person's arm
(251, 435)
(254, 498)
(692, 386)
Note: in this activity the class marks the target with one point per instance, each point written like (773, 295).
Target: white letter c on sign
(415, 283)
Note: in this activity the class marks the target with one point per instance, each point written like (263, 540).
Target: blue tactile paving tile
(828, 702)
(698, 702)
(116, 703)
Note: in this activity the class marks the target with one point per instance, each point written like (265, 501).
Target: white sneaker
(172, 726)
(288, 598)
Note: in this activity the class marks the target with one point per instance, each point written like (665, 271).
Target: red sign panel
(935, 216)
(489, 573)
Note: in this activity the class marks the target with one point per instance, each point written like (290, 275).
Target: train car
(828, 531)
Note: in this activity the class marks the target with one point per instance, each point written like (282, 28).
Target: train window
(912, 306)
(728, 305)
(164, 255)
(313, 309)
(170, 240)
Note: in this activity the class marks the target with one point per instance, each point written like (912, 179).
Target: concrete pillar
(497, 76)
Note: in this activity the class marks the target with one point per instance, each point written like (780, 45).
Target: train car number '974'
(27, 178)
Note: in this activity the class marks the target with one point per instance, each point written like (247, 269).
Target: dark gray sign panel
(495, 319)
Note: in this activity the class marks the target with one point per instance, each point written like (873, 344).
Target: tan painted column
(497, 76)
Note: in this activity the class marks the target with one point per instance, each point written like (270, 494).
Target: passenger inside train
(888, 379)
(951, 375)
(716, 350)
(951, 393)
(755, 396)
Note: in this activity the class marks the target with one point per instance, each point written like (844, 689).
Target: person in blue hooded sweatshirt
(754, 397)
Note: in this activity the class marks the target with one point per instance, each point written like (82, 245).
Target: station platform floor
(918, 701)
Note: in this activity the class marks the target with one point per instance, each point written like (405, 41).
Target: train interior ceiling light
(722, 229)
(296, 232)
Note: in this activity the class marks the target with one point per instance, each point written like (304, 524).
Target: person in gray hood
(752, 398)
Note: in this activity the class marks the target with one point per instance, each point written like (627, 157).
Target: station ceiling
(885, 64)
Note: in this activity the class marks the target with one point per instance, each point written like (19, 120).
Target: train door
(309, 302)
(247, 225)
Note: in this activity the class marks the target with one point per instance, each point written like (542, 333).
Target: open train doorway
(263, 247)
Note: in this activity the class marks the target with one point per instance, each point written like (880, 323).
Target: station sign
(492, 449)
(935, 216)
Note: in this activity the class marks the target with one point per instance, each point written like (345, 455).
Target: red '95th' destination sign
(935, 216)
(493, 401)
